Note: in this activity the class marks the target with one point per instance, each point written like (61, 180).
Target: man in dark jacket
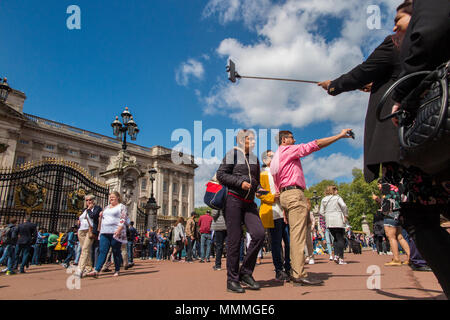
(10, 239)
(27, 235)
(240, 172)
(131, 237)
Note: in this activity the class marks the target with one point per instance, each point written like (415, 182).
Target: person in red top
(204, 224)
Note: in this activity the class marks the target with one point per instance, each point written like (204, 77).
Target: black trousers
(219, 237)
(339, 242)
(238, 212)
(379, 243)
(423, 225)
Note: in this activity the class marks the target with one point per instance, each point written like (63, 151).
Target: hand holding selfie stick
(233, 75)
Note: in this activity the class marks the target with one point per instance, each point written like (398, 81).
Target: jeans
(25, 250)
(107, 241)
(206, 238)
(151, 250)
(328, 239)
(77, 253)
(196, 249)
(130, 251)
(35, 258)
(9, 256)
(219, 237)
(70, 254)
(279, 233)
(159, 251)
(189, 249)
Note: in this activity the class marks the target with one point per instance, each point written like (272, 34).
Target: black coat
(427, 42)
(234, 170)
(382, 68)
(27, 233)
(94, 214)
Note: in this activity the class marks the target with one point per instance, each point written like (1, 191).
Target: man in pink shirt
(289, 180)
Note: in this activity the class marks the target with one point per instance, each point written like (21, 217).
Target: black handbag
(424, 123)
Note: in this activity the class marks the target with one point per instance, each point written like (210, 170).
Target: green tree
(357, 195)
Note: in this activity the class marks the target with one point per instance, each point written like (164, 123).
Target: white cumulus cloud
(187, 70)
(292, 41)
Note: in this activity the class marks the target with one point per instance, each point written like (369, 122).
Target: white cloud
(205, 171)
(291, 43)
(190, 69)
(331, 167)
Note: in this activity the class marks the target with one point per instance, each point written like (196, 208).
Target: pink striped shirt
(286, 167)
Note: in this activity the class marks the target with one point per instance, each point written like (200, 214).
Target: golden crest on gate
(29, 196)
(75, 200)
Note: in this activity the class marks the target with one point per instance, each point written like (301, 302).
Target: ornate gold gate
(51, 191)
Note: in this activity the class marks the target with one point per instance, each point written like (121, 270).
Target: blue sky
(132, 53)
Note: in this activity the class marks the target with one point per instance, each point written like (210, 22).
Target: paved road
(165, 280)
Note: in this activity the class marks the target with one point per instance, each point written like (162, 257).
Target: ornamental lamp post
(151, 207)
(128, 125)
(4, 89)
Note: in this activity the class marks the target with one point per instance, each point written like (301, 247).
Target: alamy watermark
(374, 280)
(374, 19)
(73, 281)
(193, 142)
(74, 20)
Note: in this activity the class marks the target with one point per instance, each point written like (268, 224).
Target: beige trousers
(85, 262)
(294, 203)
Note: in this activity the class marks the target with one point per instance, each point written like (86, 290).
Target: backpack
(63, 240)
(6, 235)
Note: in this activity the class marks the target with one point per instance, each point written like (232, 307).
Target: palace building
(25, 138)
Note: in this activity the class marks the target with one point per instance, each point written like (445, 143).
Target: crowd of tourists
(411, 201)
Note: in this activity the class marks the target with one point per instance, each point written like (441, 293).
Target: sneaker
(4, 270)
(217, 268)
(389, 253)
(282, 276)
(92, 274)
(116, 274)
(336, 259)
(393, 263)
(331, 257)
(201, 261)
(341, 261)
(311, 261)
(8, 273)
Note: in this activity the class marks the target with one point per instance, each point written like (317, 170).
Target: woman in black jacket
(239, 172)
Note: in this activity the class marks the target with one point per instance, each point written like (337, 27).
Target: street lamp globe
(116, 125)
(126, 116)
(4, 89)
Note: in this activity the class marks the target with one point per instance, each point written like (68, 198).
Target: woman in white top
(112, 233)
(179, 237)
(336, 216)
(85, 222)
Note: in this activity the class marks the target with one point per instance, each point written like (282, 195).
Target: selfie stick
(233, 75)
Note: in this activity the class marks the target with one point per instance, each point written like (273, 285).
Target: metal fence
(50, 191)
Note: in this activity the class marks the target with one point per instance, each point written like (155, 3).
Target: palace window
(50, 147)
(73, 152)
(174, 187)
(93, 172)
(20, 160)
(184, 189)
(144, 184)
(24, 141)
(164, 186)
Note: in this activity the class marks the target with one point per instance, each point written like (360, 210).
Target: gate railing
(50, 191)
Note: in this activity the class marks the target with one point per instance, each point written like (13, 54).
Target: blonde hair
(90, 196)
(117, 194)
(330, 190)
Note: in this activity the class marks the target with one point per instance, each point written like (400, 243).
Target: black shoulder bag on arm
(424, 123)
